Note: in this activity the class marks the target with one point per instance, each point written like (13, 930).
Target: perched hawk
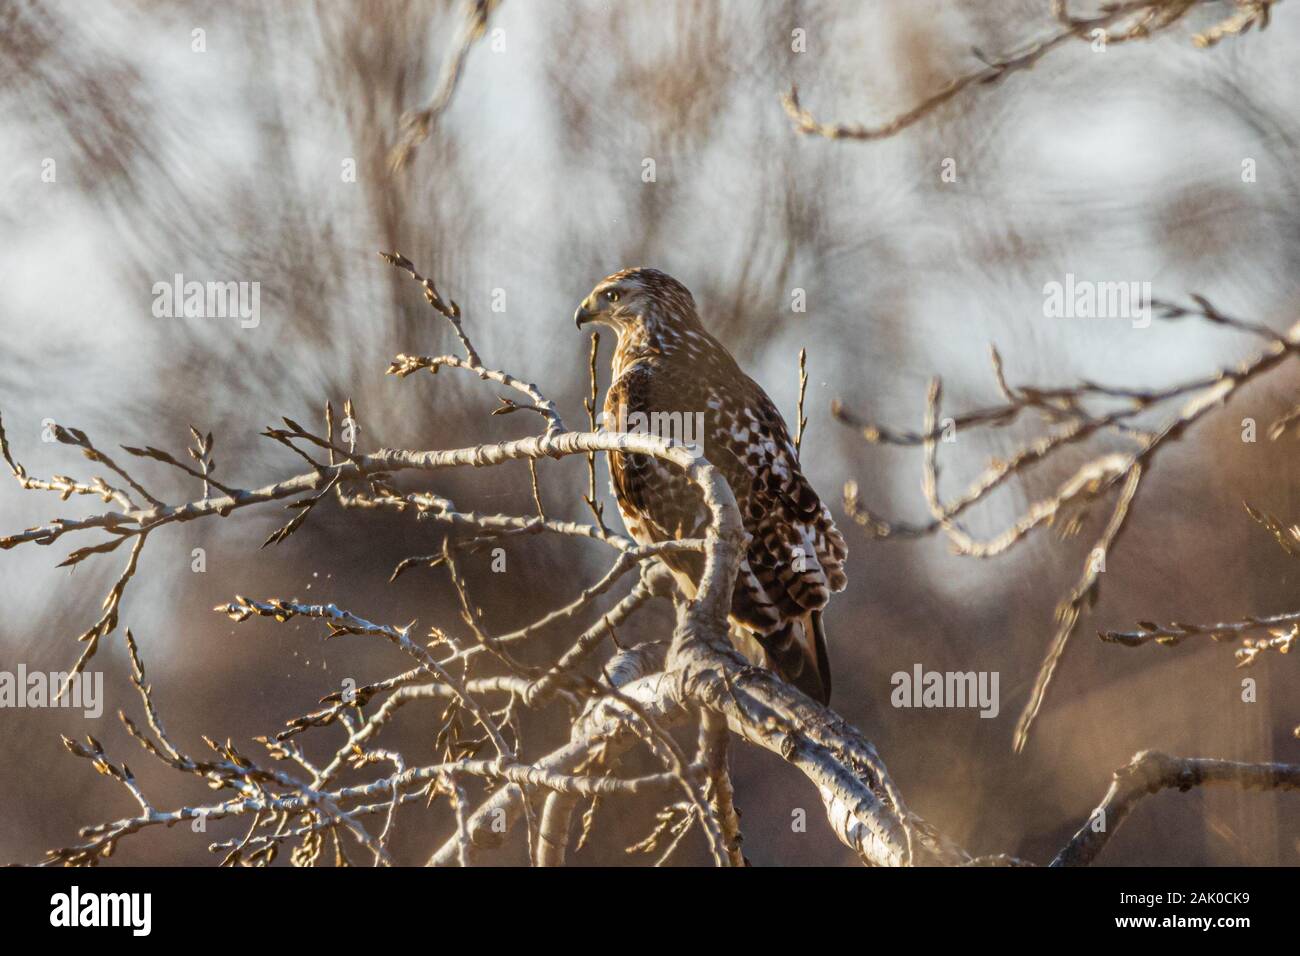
(669, 372)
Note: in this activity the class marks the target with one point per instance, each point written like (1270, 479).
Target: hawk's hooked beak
(584, 313)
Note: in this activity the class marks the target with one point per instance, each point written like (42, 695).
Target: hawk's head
(639, 302)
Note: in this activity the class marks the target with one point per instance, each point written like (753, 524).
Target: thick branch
(1150, 772)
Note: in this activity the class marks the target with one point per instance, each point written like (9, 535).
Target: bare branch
(1150, 772)
(1118, 22)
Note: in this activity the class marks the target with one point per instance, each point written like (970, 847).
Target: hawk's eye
(612, 296)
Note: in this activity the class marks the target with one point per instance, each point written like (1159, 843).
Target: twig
(417, 124)
(1144, 18)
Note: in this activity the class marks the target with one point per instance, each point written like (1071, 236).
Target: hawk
(668, 370)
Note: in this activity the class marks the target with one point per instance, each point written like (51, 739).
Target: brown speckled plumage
(665, 361)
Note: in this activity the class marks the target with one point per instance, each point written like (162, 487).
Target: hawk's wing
(795, 557)
(656, 501)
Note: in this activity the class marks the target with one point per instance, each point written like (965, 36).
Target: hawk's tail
(797, 651)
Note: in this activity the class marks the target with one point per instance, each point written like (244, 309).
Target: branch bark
(1150, 772)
